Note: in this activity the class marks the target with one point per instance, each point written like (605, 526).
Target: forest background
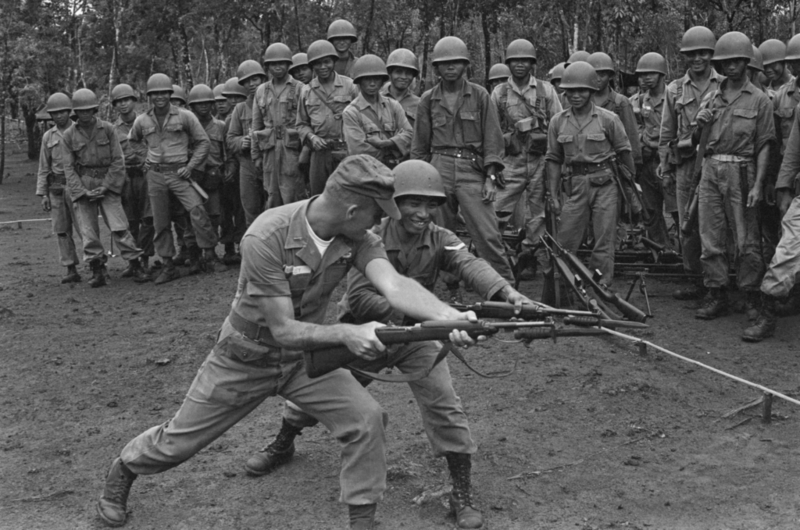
(62, 45)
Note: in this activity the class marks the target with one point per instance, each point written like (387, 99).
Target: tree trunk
(30, 131)
(187, 62)
(366, 48)
(426, 43)
(297, 25)
(487, 48)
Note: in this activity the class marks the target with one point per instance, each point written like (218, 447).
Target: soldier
(171, 135)
(209, 175)
(187, 243)
(458, 131)
(526, 105)
(342, 34)
(178, 97)
(51, 184)
(300, 69)
(232, 224)
(135, 199)
(95, 173)
(773, 53)
(419, 249)
(373, 124)
(276, 146)
(498, 73)
(221, 102)
(555, 75)
(278, 313)
(755, 72)
(319, 113)
(585, 138)
(734, 169)
(675, 147)
(403, 68)
(239, 142)
(648, 107)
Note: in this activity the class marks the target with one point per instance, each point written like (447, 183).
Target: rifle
(690, 222)
(627, 188)
(537, 312)
(606, 295)
(322, 361)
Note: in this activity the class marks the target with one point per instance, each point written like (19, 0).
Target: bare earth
(587, 434)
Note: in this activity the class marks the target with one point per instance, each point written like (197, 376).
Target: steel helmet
(201, 94)
(793, 48)
(733, 45)
(601, 62)
(342, 29)
(277, 52)
(178, 93)
(652, 62)
(772, 51)
(520, 49)
(159, 83)
(499, 72)
(58, 102)
(579, 55)
(450, 49)
(298, 59)
(233, 88)
(122, 91)
(403, 58)
(579, 75)
(417, 177)
(248, 69)
(756, 60)
(218, 95)
(698, 38)
(369, 66)
(557, 72)
(320, 49)
(84, 99)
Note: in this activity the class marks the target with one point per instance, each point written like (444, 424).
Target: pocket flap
(565, 138)
(468, 115)
(745, 113)
(785, 112)
(596, 137)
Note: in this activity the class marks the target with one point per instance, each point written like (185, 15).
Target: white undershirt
(320, 243)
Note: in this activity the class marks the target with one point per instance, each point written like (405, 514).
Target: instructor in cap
(293, 257)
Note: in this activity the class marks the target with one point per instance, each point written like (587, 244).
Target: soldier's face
(401, 78)
(235, 100)
(557, 85)
(304, 74)
(60, 118)
(252, 83)
(370, 85)
(520, 68)
(774, 71)
(160, 100)
(578, 97)
(124, 106)
(323, 68)
(603, 77)
(451, 70)
(279, 70)
(417, 212)
(699, 60)
(649, 80)
(342, 44)
(203, 110)
(733, 68)
(177, 102)
(85, 117)
(223, 106)
(794, 66)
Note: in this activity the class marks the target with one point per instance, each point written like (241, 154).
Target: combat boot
(182, 257)
(765, 323)
(715, 304)
(140, 274)
(279, 452)
(461, 504)
(211, 261)
(752, 303)
(194, 260)
(129, 270)
(362, 516)
(99, 274)
(691, 292)
(231, 257)
(113, 505)
(72, 275)
(168, 272)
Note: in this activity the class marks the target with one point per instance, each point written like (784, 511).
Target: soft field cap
(364, 175)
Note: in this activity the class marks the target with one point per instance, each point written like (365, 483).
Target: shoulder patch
(455, 247)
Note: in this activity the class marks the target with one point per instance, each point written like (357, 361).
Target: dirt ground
(586, 434)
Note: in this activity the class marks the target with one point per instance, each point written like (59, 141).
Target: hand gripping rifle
(690, 221)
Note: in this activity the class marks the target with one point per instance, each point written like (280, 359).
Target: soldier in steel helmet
(419, 249)
(51, 184)
(458, 131)
(342, 34)
(232, 222)
(319, 113)
(94, 167)
(403, 68)
(373, 124)
(675, 148)
(498, 73)
(732, 183)
(526, 105)
(648, 106)
(300, 69)
(276, 146)
(773, 57)
(583, 139)
(135, 198)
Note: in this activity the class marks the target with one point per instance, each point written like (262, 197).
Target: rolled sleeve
(354, 135)
(475, 272)
(44, 166)
(494, 146)
(198, 141)
(364, 301)
(74, 184)
(421, 143)
(555, 151)
(404, 131)
(790, 166)
(262, 267)
(668, 130)
(368, 249)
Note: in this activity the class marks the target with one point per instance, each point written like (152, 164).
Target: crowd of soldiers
(332, 126)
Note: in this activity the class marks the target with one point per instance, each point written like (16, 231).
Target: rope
(23, 221)
(698, 363)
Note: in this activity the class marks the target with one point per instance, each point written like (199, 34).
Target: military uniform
(384, 121)
(345, 68)
(619, 105)
(675, 148)
(93, 159)
(251, 183)
(461, 144)
(524, 117)
(409, 101)
(168, 149)
(232, 222)
(51, 182)
(210, 175)
(588, 185)
(320, 114)
(135, 199)
(276, 141)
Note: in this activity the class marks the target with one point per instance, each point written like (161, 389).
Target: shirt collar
(466, 90)
(362, 104)
(389, 231)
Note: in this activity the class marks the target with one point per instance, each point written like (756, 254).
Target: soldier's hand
(259, 162)
(145, 167)
(704, 116)
(184, 173)
(555, 206)
(362, 341)
(46, 206)
(489, 192)
(515, 297)
(754, 197)
(246, 143)
(317, 143)
(668, 183)
(784, 199)
(769, 193)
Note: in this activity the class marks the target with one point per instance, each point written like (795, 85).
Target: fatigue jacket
(215, 130)
(648, 110)
(345, 68)
(619, 104)
(172, 143)
(275, 117)
(96, 151)
(790, 166)
(599, 139)
(315, 117)
(525, 115)
(135, 152)
(239, 127)
(51, 161)
(784, 101)
(279, 259)
(409, 101)
(361, 121)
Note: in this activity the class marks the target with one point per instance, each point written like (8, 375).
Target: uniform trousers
(136, 203)
(251, 189)
(781, 276)
(63, 219)
(321, 165)
(655, 200)
(525, 172)
(232, 221)
(282, 179)
(690, 245)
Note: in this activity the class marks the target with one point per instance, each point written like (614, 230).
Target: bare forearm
(554, 174)
(761, 165)
(412, 299)
(296, 335)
